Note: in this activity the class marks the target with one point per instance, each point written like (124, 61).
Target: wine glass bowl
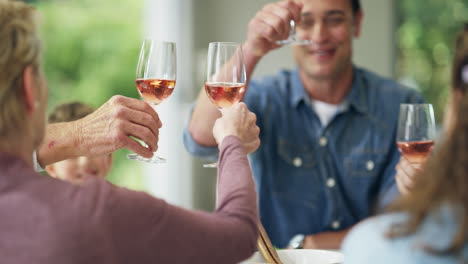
(224, 94)
(225, 74)
(154, 91)
(155, 78)
(416, 131)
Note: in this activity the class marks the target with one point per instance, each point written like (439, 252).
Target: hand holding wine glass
(240, 122)
(406, 174)
(155, 78)
(415, 140)
(225, 76)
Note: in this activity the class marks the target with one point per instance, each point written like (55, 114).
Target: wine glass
(225, 76)
(292, 39)
(416, 131)
(155, 78)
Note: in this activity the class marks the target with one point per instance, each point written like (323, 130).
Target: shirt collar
(357, 97)
(298, 91)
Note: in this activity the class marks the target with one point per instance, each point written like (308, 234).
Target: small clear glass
(292, 39)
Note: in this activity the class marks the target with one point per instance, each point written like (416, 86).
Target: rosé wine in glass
(416, 151)
(155, 91)
(224, 94)
(416, 131)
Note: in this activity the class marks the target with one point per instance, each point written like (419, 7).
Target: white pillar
(171, 20)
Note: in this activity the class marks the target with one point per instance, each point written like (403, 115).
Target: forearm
(326, 240)
(235, 181)
(251, 59)
(203, 118)
(226, 236)
(236, 196)
(59, 143)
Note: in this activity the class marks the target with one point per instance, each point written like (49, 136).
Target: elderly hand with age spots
(106, 130)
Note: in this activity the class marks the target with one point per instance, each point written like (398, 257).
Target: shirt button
(331, 182)
(335, 224)
(297, 162)
(323, 141)
(370, 165)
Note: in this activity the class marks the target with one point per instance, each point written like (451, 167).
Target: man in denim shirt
(328, 152)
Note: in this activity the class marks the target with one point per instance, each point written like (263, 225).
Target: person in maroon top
(45, 220)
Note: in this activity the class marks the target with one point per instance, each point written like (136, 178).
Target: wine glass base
(154, 159)
(294, 42)
(211, 165)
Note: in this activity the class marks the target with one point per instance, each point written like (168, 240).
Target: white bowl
(301, 256)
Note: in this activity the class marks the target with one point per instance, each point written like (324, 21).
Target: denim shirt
(311, 178)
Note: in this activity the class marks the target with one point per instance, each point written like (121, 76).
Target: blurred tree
(426, 35)
(90, 54)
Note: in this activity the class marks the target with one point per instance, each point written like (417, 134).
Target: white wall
(376, 48)
(193, 24)
(171, 20)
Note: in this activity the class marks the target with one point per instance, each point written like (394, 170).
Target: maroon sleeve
(144, 229)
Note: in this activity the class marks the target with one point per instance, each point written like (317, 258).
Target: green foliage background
(90, 53)
(426, 37)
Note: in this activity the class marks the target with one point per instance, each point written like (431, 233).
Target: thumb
(223, 111)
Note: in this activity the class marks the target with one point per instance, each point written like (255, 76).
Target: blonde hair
(69, 112)
(19, 47)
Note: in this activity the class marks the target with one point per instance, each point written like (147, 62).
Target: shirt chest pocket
(296, 155)
(294, 177)
(365, 163)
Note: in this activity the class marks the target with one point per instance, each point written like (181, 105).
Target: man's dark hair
(356, 4)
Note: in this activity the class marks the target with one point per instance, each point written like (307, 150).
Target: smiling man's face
(332, 26)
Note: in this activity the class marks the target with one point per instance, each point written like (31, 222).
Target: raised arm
(104, 131)
(269, 25)
(157, 232)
